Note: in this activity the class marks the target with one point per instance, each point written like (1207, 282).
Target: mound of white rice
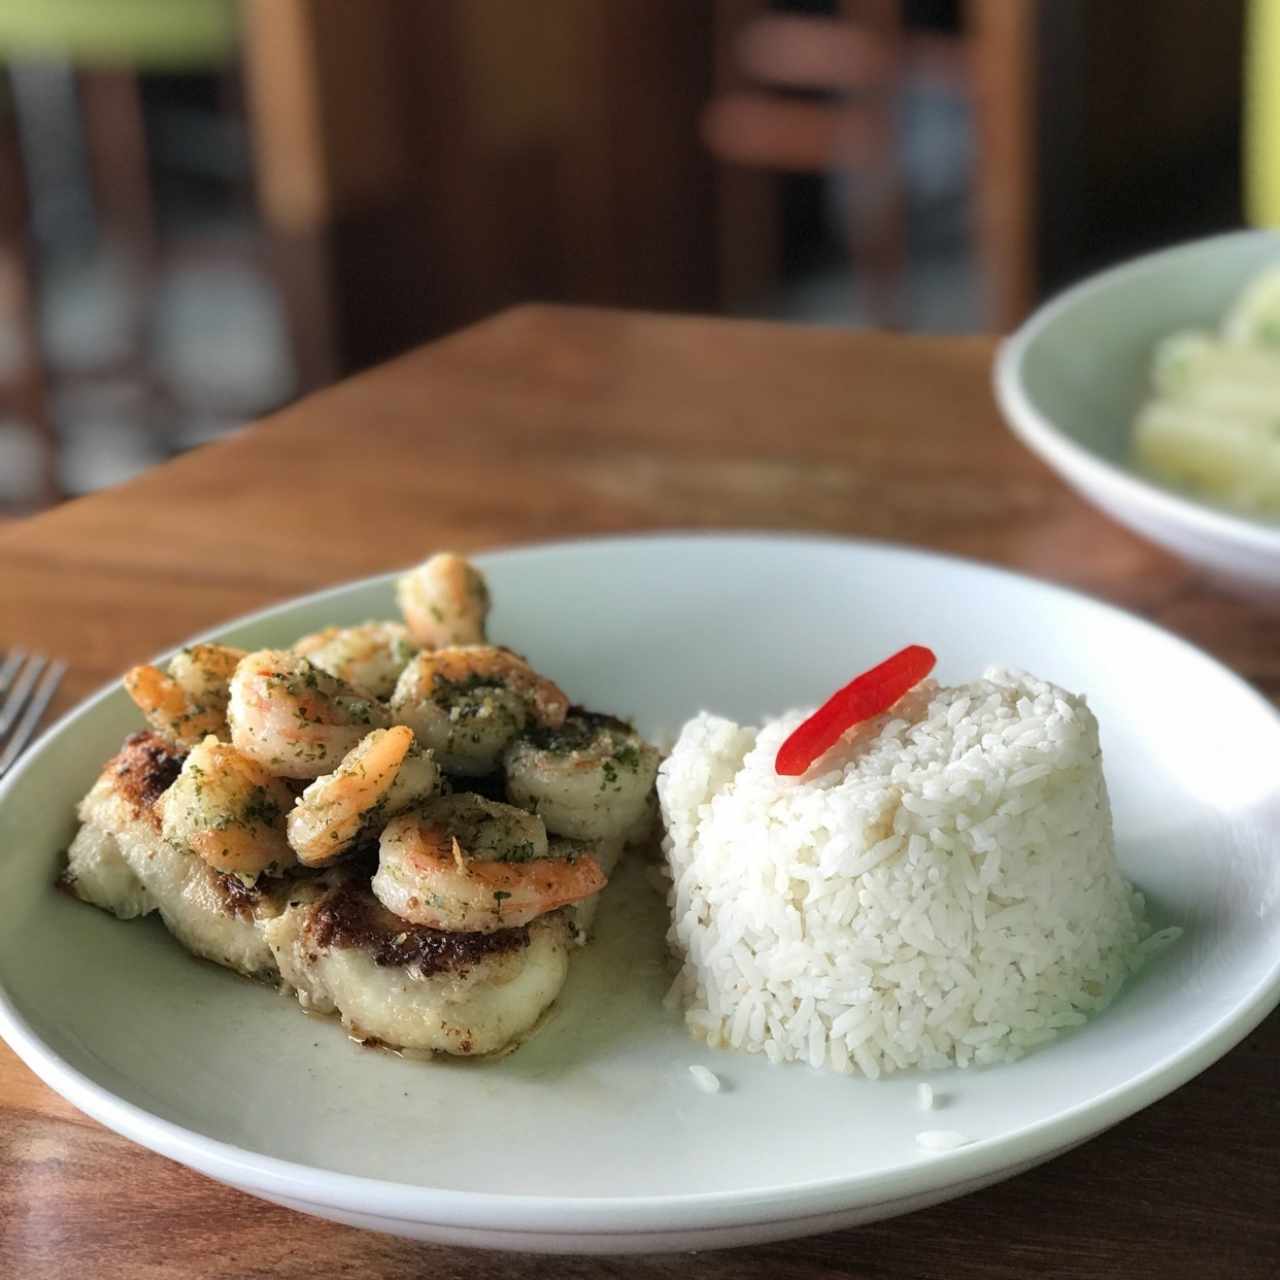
(941, 890)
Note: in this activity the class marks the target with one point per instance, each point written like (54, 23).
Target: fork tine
(31, 717)
(16, 697)
(13, 660)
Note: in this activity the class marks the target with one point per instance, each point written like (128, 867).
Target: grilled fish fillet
(119, 861)
(409, 986)
(321, 935)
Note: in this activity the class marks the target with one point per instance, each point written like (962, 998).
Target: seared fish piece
(411, 987)
(121, 862)
(322, 934)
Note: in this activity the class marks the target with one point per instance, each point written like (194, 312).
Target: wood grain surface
(548, 422)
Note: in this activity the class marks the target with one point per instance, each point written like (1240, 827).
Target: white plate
(1071, 381)
(594, 1137)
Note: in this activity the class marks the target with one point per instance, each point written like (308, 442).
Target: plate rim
(658, 1215)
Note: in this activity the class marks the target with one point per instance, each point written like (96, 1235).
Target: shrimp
(229, 811)
(468, 702)
(607, 854)
(189, 701)
(489, 828)
(499, 879)
(591, 778)
(360, 794)
(369, 657)
(445, 601)
(417, 779)
(295, 719)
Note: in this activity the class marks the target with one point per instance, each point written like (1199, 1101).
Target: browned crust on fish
(352, 919)
(143, 770)
(238, 898)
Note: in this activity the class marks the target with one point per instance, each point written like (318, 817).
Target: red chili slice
(865, 696)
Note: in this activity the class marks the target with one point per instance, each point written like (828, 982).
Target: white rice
(924, 1097)
(941, 890)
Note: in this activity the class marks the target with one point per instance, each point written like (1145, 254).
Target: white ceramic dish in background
(594, 1136)
(1071, 379)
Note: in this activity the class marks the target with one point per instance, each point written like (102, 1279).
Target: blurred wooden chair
(858, 60)
(422, 165)
(106, 43)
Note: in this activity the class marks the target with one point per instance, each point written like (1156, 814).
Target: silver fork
(27, 682)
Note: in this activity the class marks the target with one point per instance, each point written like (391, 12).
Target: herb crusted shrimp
(189, 701)
(467, 702)
(295, 719)
(370, 657)
(384, 773)
(472, 865)
(445, 601)
(589, 777)
(229, 811)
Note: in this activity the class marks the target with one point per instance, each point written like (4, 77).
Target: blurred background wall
(208, 208)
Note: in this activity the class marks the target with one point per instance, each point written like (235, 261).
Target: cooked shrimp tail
(189, 701)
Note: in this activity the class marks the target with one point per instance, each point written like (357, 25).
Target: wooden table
(545, 422)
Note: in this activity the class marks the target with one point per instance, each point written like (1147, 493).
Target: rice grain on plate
(941, 1139)
(706, 1080)
(942, 889)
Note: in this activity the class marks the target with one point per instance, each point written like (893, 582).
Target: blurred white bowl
(1071, 379)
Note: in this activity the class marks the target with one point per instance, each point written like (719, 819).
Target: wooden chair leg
(1002, 38)
(116, 142)
(294, 182)
(18, 301)
(859, 56)
(747, 199)
(877, 228)
(116, 145)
